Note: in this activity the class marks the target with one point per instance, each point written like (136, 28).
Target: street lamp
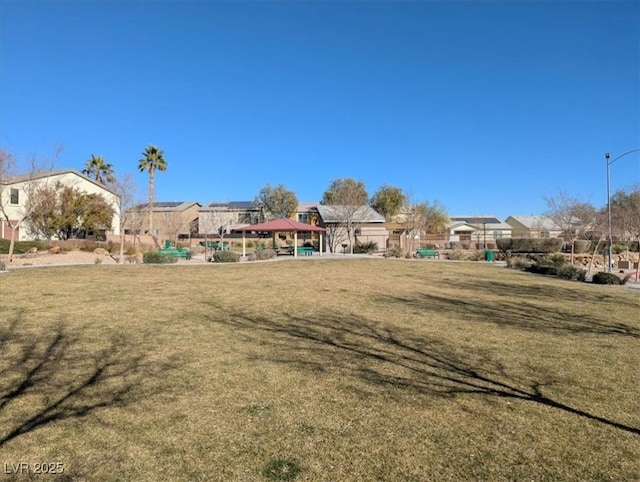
(609, 162)
(484, 242)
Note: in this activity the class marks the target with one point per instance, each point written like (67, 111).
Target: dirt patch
(71, 257)
(76, 257)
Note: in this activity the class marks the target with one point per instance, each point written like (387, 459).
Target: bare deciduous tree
(571, 215)
(126, 190)
(625, 216)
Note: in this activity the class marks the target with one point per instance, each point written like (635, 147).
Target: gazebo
(281, 226)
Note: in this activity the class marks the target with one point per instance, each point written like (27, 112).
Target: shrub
(530, 245)
(545, 269)
(394, 252)
(618, 249)
(518, 262)
(568, 272)
(365, 248)
(603, 278)
(225, 257)
(456, 254)
(477, 255)
(262, 255)
(20, 247)
(557, 260)
(250, 244)
(153, 257)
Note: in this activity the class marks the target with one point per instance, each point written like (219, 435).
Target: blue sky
(485, 106)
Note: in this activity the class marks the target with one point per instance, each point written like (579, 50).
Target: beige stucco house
(15, 192)
(477, 230)
(226, 215)
(533, 227)
(171, 220)
(368, 226)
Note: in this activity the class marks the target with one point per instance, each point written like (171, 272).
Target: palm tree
(153, 160)
(101, 171)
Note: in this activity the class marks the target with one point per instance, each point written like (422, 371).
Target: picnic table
(215, 245)
(300, 250)
(172, 250)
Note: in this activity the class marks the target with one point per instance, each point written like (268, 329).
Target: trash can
(488, 255)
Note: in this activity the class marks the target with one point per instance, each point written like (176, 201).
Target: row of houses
(185, 220)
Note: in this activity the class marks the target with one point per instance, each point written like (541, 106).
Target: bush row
(603, 278)
(262, 255)
(20, 247)
(530, 245)
(365, 248)
(565, 271)
(153, 257)
(225, 257)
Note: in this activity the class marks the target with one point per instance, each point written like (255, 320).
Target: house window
(158, 231)
(244, 218)
(544, 234)
(497, 234)
(303, 218)
(15, 196)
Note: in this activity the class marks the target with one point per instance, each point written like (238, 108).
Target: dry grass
(318, 370)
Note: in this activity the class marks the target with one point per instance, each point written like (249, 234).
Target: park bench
(427, 253)
(175, 252)
(305, 250)
(215, 245)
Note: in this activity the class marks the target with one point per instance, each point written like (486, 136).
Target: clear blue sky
(485, 106)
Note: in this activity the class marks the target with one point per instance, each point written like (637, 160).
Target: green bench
(305, 250)
(175, 252)
(427, 253)
(215, 245)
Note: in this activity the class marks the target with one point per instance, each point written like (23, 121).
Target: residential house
(368, 226)
(406, 231)
(238, 214)
(226, 215)
(533, 227)
(307, 212)
(478, 231)
(171, 220)
(15, 191)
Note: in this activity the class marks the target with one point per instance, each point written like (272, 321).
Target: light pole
(484, 242)
(609, 162)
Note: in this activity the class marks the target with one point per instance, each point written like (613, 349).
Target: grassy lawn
(336, 370)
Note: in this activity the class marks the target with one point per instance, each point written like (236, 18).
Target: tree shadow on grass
(391, 356)
(543, 287)
(512, 311)
(46, 378)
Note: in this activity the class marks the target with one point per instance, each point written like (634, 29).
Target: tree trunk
(573, 242)
(151, 186)
(12, 242)
(121, 259)
(595, 250)
(638, 268)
